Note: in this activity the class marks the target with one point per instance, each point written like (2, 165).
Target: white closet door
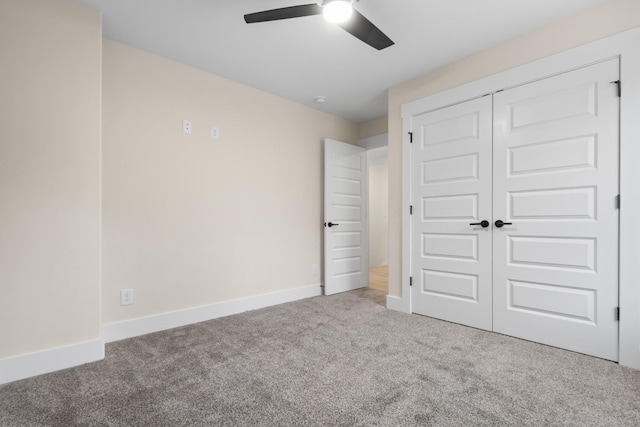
(556, 180)
(451, 188)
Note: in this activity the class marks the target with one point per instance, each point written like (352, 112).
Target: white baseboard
(398, 304)
(160, 322)
(42, 362)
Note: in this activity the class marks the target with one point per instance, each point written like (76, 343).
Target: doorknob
(499, 223)
(332, 224)
(484, 223)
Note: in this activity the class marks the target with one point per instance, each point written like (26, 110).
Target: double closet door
(515, 220)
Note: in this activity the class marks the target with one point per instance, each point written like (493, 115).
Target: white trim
(42, 362)
(629, 354)
(406, 214)
(378, 156)
(376, 141)
(397, 304)
(623, 45)
(160, 322)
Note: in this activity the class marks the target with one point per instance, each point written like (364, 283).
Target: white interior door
(546, 266)
(556, 180)
(346, 247)
(451, 190)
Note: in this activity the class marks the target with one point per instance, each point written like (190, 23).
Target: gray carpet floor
(342, 360)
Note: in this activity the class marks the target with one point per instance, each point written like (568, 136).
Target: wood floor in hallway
(379, 278)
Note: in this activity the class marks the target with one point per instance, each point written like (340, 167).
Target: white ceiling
(300, 59)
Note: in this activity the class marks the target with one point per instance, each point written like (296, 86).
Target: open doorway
(377, 160)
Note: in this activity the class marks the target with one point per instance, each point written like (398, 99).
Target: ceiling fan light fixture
(337, 11)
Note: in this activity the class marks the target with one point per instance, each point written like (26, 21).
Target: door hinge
(619, 83)
(618, 201)
(410, 281)
(411, 137)
(410, 209)
(618, 313)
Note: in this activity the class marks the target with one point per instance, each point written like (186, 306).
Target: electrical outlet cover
(215, 132)
(186, 126)
(126, 296)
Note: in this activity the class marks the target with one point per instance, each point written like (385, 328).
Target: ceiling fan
(339, 11)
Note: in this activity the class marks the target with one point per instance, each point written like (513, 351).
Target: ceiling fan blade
(283, 13)
(363, 29)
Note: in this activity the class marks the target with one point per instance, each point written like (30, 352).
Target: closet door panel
(451, 188)
(556, 180)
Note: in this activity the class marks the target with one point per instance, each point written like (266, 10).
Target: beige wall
(378, 218)
(371, 128)
(191, 221)
(188, 221)
(607, 19)
(49, 175)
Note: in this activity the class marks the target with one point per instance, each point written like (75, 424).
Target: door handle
(331, 224)
(484, 223)
(499, 223)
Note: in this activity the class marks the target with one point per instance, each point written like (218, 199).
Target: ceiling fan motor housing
(337, 11)
(358, 26)
(326, 2)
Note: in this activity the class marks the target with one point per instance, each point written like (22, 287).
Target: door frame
(623, 46)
